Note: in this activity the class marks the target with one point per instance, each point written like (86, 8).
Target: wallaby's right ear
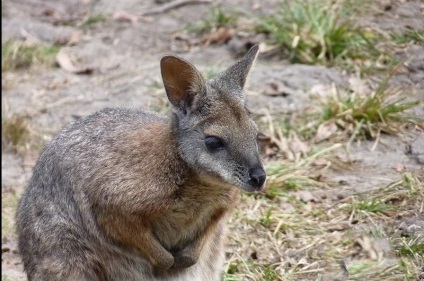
(235, 77)
(182, 82)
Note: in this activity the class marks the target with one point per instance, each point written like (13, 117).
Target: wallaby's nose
(257, 177)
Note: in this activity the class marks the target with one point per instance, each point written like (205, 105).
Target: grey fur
(125, 194)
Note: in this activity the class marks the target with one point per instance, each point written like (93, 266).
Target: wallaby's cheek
(210, 164)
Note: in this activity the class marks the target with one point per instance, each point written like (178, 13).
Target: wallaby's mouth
(256, 183)
(254, 188)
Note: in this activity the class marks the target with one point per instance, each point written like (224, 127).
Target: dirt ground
(121, 57)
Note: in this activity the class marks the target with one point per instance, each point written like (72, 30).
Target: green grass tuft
(20, 55)
(374, 205)
(412, 250)
(15, 131)
(217, 18)
(94, 18)
(9, 205)
(323, 32)
(315, 32)
(367, 115)
(409, 36)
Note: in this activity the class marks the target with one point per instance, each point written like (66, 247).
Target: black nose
(257, 177)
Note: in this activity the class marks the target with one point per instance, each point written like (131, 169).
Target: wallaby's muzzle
(257, 177)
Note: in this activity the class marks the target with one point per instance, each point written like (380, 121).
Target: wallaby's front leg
(190, 254)
(159, 257)
(132, 232)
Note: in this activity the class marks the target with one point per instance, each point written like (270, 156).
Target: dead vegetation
(318, 32)
(18, 55)
(367, 115)
(14, 132)
(307, 226)
(304, 236)
(345, 116)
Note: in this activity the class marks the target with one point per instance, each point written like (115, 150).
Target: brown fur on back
(125, 194)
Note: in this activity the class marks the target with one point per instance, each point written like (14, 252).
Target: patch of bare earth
(335, 209)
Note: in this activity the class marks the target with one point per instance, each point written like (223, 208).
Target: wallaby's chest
(191, 215)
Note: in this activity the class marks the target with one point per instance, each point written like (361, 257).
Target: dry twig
(172, 5)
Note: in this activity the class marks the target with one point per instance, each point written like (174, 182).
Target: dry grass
(18, 135)
(409, 36)
(9, 205)
(216, 17)
(325, 238)
(14, 132)
(367, 115)
(305, 227)
(308, 227)
(328, 32)
(94, 18)
(319, 31)
(343, 116)
(22, 55)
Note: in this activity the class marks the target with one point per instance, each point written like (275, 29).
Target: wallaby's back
(128, 195)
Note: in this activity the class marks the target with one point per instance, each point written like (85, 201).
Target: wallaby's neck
(175, 168)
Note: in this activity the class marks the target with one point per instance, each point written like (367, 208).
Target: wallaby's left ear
(183, 83)
(236, 75)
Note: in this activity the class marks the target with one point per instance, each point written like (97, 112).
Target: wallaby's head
(215, 135)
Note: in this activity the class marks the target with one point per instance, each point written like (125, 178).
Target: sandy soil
(124, 58)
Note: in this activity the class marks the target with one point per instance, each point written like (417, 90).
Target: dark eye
(214, 143)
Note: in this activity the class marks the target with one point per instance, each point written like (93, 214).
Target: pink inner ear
(178, 77)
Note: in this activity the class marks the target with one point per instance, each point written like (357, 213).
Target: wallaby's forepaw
(183, 261)
(164, 264)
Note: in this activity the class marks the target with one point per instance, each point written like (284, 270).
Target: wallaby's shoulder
(107, 130)
(115, 117)
(111, 122)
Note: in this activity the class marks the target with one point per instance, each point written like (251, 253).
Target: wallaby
(125, 194)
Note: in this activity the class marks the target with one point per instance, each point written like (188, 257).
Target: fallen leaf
(320, 162)
(375, 248)
(275, 88)
(42, 32)
(70, 39)
(74, 39)
(219, 36)
(296, 145)
(390, 213)
(338, 227)
(30, 158)
(358, 85)
(287, 207)
(366, 245)
(321, 91)
(399, 167)
(241, 43)
(305, 196)
(125, 16)
(9, 245)
(270, 151)
(263, 141)
(325, 131)
(65, 61)
(256, 6)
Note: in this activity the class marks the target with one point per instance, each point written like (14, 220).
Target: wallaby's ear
(263, 141)
(182, 81)
(236, 75)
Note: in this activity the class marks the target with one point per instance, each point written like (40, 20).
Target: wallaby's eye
(214, 143)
